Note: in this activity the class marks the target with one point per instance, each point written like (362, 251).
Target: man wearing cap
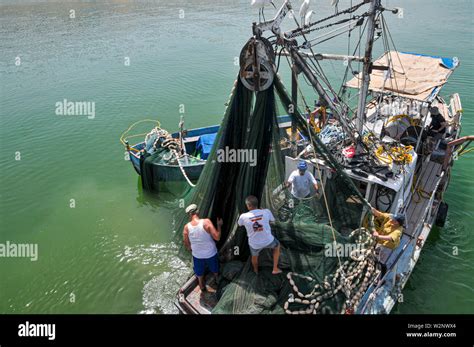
(198, 236)
(388, 228)
(301, 181)
(438, 123)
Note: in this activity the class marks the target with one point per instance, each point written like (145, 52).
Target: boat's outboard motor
(257, 68)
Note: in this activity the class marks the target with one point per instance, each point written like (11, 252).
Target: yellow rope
(465, 151)
(399, 154)
(418, 192)
(125, 136)
(401, 116)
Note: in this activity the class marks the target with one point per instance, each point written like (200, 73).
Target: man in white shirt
(301, 180)
(257, 224)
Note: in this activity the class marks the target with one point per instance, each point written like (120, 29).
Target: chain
(301, 31)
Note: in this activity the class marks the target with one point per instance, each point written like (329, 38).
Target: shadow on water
(170, 195)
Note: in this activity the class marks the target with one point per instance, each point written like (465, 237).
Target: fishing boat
(181, 158)
(380, 150)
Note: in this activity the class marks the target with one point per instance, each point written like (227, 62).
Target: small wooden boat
(193, 166)
(187, 161)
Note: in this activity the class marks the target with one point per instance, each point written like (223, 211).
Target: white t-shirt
(257, 224)
(301, 184)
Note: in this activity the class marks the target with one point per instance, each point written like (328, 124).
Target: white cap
(191, 208)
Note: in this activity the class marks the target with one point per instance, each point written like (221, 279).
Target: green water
(112, 252)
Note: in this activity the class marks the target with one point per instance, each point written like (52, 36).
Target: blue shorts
(211, 263)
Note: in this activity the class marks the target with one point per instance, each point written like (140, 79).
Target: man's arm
(290, 180)
(216, 234)
(443, 125)
(382, 237)
(394, 236)
(240, 221)
(186, 241)
(376, 212)
(313, 181)
(271, 218)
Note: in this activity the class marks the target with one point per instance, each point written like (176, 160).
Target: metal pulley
(257, 68)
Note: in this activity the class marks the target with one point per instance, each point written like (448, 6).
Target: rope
(182, 169)
(341, 266)
(418, 192)
(351, 21)
(125, 136)
(466, 151)
(399, 155)
(360, 273)
(169, 143)
(350, 303)
(302, 30)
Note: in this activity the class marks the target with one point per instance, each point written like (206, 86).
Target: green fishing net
(304, 228)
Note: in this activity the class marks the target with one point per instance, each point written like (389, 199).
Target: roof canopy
(412, 75)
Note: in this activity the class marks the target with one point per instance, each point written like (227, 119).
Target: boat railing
(450, 147)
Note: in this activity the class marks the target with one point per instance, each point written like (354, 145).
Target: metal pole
(374, 5)
(302, 65)
(294, 101)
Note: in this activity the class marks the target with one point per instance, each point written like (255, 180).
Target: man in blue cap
(388, 228)
(301, 181)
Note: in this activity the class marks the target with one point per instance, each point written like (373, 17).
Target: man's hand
(375, 234)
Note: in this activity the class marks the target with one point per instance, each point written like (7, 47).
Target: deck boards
(203, 302)
(427, 182)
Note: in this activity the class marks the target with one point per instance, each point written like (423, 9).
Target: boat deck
(426, 184)
(427, 181)
(193, 301)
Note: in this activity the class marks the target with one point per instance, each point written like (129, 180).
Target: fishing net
(313, 281)
(165, 170)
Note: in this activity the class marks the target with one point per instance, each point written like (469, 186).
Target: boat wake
(159, 292)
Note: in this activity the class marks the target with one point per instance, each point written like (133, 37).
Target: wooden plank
(417, 206)
(203, 302)
(389, 258)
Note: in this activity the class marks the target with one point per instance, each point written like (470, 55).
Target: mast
(374, 6)
(294, 97)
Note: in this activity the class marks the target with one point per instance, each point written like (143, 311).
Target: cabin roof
(412, 75)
